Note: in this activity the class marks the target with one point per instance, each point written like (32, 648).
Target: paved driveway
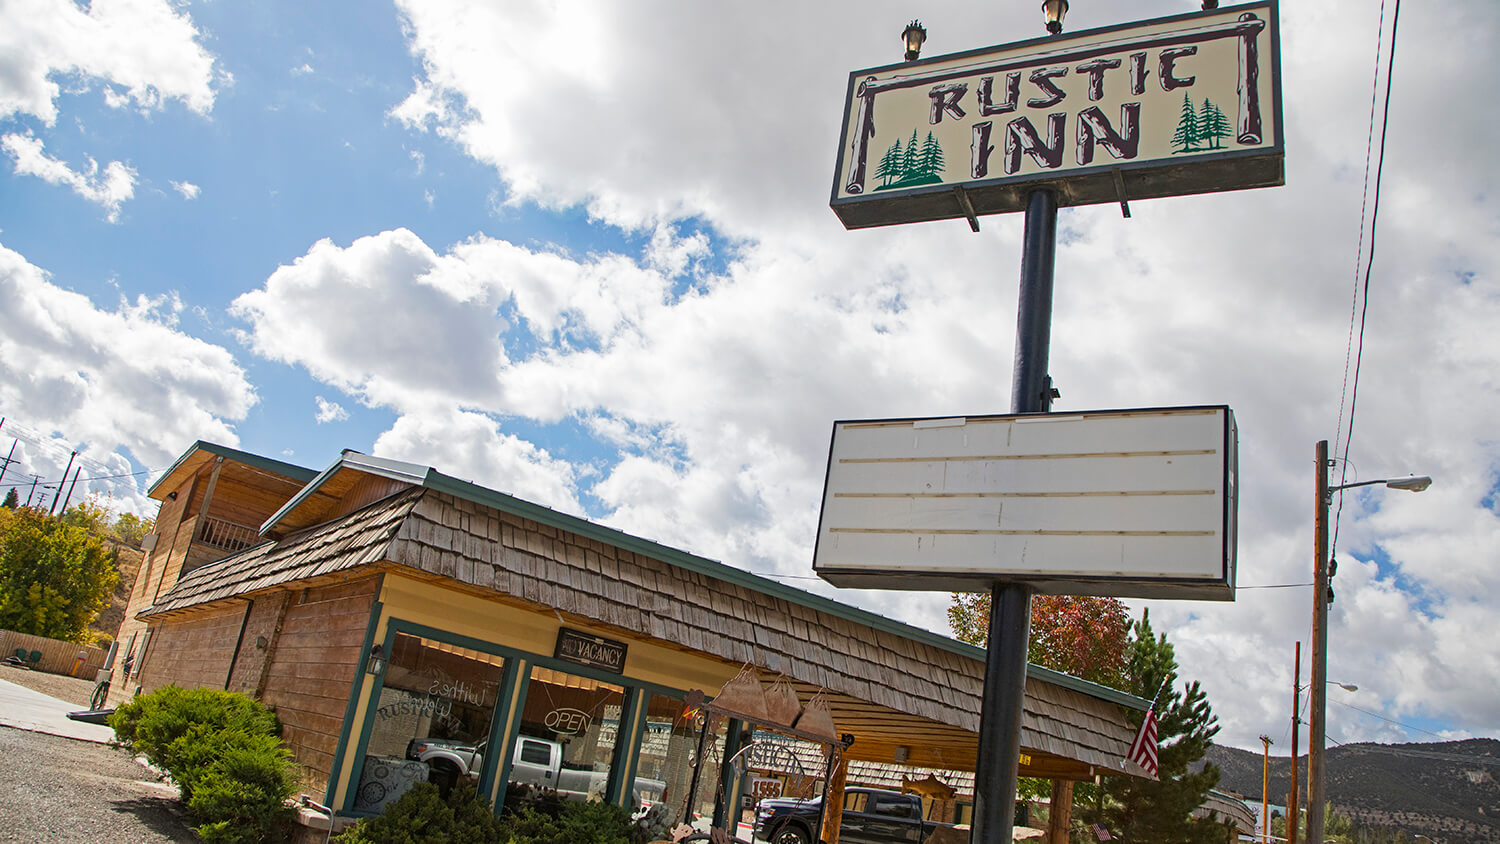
(63, 783)
(25, 709)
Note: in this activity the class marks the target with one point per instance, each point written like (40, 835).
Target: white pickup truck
(536, 761)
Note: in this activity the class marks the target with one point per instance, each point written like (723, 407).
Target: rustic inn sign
(1126, 503)
(582, 648)
(1172, 106)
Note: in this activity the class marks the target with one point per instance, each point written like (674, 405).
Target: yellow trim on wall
(347, 777)
(535, 631)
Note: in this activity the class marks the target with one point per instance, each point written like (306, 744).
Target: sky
(581, 252)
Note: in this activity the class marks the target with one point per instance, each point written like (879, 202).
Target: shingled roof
(887, 683)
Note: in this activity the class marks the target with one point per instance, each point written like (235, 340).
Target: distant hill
(1445, 790)
(128, 564)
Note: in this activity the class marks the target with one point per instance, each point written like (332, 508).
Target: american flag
(1101, 833)
(1143, 749)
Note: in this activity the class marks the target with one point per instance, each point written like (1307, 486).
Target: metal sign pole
(1010, 603)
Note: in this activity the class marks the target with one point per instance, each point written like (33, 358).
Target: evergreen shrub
(223, 751)
(423, 816)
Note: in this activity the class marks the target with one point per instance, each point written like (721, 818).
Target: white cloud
(124, 378)
(469, 446)
(303, 69)
(109, 190)
(188, 190)
(141, 51)
(329, 411)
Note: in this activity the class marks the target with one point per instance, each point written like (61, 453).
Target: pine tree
(1141, 811)
(890, 164)
(932, 157)
(1187, 136)
(12, 499)
(1212, 125)
(912, 163)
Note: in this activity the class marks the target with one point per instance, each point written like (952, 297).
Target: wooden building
(380, 605)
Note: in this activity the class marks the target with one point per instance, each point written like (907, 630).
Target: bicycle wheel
(101, 694)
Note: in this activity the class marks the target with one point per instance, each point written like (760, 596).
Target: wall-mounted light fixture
(376, 663)
(1210, 5)
(1055, 11)
(172, 496)
(914, 36)
(902, 753)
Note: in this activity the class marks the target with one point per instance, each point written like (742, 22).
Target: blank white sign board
(1124, 503)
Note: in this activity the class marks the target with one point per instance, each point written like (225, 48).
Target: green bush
(184, 730)
(223, 751)
(596, 823)
(242, 798)
(422, 816)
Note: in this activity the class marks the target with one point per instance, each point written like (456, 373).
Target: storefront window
(667, 753)
(432, 720)
(567, 737)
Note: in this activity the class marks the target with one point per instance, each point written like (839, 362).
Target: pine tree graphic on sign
(1212, 125)
(919, 162)
(1196, 127)
(889, 168)
(1186, 136)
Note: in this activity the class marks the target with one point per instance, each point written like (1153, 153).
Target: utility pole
(32, 491)
(7, 459)
(1291, 803)
(1265, 788)
(66, 470)
(1319, 684)
(69, 496)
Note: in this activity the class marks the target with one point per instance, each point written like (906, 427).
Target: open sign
(567, 721)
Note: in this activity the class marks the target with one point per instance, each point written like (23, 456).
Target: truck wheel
(789, 835)
(444, 775)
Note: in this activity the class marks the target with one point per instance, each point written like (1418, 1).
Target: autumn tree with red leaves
(1082, 636)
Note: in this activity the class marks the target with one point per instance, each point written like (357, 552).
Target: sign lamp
(914, 35)
(1055, 10)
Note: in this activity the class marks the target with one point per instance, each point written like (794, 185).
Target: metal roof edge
(269, 464)
(383, 466)
(440, 482)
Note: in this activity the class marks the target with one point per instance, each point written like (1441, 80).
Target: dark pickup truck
(871, 816)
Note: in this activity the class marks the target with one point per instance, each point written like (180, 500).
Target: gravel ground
(70, 689)
(62, 790)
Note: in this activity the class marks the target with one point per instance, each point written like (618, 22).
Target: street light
(1318, 693)
(914, 36)
(1055, 11)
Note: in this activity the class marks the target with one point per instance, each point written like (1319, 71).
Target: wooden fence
(58, 657)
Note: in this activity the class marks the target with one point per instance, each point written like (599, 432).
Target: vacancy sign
(1172, 106)
(1122, 503)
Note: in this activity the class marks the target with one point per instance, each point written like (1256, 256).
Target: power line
(1388, 720)
(1364, 292)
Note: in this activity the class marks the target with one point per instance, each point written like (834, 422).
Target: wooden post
(833, 801)
(1060, 816)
